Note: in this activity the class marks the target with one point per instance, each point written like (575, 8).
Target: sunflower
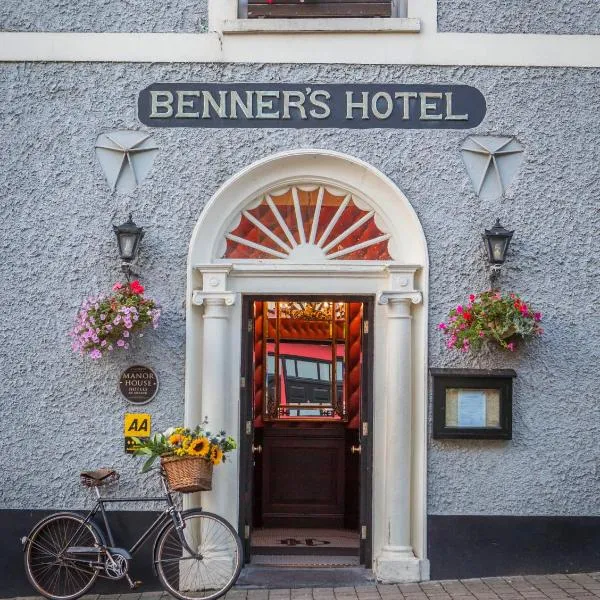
(216, 455)
(199, 447)
(175, 439)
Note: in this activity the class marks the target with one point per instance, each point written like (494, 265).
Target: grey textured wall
(532, 16)
(104, 15)
(519, 16)
(60, 413)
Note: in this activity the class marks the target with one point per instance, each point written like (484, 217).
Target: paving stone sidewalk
(579, 586)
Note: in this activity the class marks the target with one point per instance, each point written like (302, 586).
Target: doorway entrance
(305, 494)
(298, 223)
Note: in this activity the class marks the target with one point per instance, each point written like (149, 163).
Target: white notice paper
(471, 408)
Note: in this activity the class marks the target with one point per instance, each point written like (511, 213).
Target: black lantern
(129, 236)
(497, 240)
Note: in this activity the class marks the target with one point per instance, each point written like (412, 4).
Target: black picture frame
(498, 379)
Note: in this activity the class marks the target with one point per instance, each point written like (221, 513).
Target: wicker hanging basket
(188, 473)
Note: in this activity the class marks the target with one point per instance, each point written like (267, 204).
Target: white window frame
(229, 17)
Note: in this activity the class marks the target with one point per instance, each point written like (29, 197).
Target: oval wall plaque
(138, 384)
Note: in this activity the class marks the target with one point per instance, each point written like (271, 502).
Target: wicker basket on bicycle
(187, 473)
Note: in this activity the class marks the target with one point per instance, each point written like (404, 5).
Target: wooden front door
(303, 481)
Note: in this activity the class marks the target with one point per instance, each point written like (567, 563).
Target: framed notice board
(472, 403)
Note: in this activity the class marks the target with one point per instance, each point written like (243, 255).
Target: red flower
(136, 287)
(467, 316)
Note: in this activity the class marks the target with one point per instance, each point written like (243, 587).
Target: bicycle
(196, 554)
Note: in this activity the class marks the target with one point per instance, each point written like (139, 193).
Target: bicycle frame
(170, 512)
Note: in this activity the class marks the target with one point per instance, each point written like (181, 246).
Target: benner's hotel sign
(303, 105)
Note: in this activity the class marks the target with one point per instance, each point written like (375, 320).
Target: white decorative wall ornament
(491, 162)
(126, 157)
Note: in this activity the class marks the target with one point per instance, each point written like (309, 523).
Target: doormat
(305, 541)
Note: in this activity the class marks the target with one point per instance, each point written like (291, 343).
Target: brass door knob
(256, 449)
(355, 449)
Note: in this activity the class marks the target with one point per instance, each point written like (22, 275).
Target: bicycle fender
(190, 511)
(64, 513)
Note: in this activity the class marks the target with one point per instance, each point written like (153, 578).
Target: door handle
(256, 449)
(354, 449)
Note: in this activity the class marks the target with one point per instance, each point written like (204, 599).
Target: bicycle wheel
(214, 571)
(49, 570)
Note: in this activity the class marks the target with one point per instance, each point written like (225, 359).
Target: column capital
(395, 297)
(213, 298)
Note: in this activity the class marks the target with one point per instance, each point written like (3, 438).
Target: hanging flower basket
(108, 322)
(501, 320)
(187, 456)
(188, 474)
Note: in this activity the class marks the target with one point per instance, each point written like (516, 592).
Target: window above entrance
(307, 224)
(303, 9)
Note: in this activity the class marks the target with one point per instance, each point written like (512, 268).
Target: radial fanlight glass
(129, 236)
(308, 224)
(496, 241)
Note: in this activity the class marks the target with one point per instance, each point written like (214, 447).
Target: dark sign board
(138, 384)
(289, 105)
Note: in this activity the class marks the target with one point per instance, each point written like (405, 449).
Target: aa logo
(137, 424)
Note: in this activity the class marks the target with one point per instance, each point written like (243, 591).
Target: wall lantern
(496, 241)
(129, 236)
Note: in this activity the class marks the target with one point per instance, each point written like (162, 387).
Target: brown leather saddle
(98, 477)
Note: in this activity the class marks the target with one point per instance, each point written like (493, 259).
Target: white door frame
(213, 336)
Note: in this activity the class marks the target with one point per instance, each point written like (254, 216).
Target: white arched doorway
(216, 283)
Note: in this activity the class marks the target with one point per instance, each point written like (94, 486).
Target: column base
(400, 565)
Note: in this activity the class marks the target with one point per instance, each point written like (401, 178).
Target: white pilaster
(215, 395)
(397, 561)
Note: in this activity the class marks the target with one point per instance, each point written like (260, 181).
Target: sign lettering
(137, 425)
(322, 106)
(138, 384)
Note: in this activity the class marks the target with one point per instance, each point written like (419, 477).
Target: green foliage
(491, 317)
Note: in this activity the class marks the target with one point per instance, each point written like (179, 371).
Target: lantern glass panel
(498, 249)
(128, 244)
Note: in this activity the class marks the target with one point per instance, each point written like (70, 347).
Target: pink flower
(95, 354)
(120, 343)
(511, 346)
(471, 297)
(537, 316)
(459, 309)
(442, 326)
(481, 334)
(117, 286)
(126, 334)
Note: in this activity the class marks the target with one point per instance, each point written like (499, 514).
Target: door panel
(303, 477)
(366, 434)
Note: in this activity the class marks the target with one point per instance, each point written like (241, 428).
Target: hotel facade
(313, 180)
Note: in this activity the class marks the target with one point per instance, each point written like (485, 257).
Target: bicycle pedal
(133, 584)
